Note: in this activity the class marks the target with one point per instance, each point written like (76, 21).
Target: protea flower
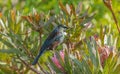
(56, 61)
(104, 53)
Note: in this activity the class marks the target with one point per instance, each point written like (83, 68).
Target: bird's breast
(61, 38)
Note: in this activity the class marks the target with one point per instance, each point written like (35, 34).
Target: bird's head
(62, 27)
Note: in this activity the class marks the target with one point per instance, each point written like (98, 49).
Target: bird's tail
(37, 58)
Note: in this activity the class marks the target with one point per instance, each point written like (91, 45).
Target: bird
(55, 38)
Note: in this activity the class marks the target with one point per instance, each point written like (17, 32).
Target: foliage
(90, 47)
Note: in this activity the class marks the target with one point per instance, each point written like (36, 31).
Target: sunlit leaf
(13, 15)
(68, 9)
(117, 70)
(114, 62)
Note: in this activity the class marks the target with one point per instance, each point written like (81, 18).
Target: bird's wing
(53, 34)
(49, 39)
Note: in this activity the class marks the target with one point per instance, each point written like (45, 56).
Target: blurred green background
(27, 6)
(102, 17)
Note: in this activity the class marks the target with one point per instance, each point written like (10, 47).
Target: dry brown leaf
(79, 8)
(37, 17)
(108, 3)
(0, 14)
(28, 18)
(63, 7)
(73, 9)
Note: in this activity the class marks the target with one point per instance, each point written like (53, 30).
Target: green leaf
(92, 50)
(68, 63)
(117, 70)
(86, 67)
(11, 51)
(8, 44)
(114, 62)
(76, 69)
(6, 70)
(88, 19)
(79, 65)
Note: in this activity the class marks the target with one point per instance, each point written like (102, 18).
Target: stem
(27, 51)
(41, 69)
(51, 71)
(27, 65)
(116, 22)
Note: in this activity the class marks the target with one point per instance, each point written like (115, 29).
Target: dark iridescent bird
(53, 40)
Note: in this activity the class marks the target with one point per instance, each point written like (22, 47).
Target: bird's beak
(66, 27)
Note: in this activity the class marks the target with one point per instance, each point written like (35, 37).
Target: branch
(108, 4)
(27, 65)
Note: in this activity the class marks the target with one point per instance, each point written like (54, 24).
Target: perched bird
(53, 40)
